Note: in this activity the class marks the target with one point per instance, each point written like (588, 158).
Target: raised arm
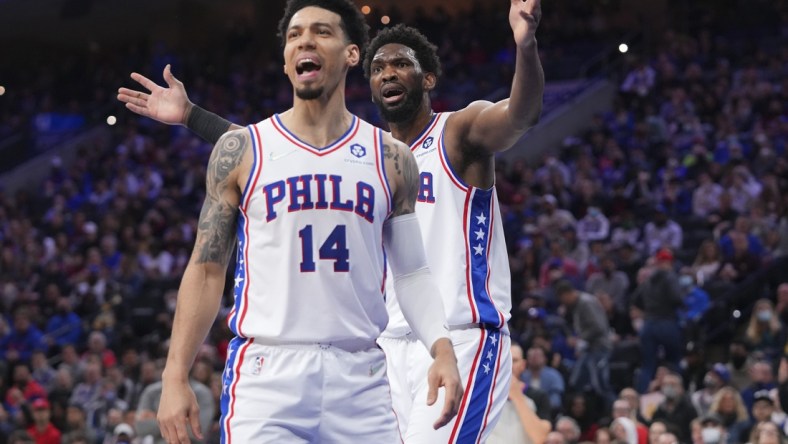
(494, 127)
(172, 106)
(201, 288)
(417, 294)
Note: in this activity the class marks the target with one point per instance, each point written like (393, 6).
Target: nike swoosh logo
(272, 157)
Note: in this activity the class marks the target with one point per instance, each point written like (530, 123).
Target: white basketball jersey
(463, 238)
(310, 264)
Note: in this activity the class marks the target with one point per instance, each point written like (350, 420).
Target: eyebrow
(311, 25)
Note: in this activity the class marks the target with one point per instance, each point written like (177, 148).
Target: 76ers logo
(427, 142)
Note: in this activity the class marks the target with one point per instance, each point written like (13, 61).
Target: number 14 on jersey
(334, 248)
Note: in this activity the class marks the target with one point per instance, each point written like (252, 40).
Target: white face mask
(711, 435)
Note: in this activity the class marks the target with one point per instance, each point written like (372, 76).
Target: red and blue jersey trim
(337, 144)
(230, 377)
(478, 231)
(478, 397)
(419, 140)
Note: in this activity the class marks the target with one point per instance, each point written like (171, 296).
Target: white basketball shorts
(305, 394)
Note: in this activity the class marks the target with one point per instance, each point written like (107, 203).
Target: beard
(309, 93)
(404, 111)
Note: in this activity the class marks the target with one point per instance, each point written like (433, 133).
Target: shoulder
(392, 146)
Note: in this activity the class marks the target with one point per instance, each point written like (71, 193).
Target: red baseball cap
(664, 255)
(40, 403)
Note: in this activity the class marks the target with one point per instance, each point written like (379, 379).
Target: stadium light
(111, 120)
(623, 48)
(385, 20)
(366, 9)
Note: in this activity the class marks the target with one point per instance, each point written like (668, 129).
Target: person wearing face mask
(737, 363)
(676, 409)
(712, 430)
(729, 407)
(716, 378)
(765, 332)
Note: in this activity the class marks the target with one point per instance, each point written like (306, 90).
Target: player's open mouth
(392, 93)
(307, 68)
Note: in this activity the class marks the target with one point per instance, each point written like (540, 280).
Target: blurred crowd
(649, 255)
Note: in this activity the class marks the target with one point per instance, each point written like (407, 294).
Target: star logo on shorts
(494, 340)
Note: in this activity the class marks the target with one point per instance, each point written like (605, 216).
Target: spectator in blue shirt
(65, 326)
(22, 340)
(547, 379)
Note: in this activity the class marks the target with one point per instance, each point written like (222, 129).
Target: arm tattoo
(407, 175)
(216, 228)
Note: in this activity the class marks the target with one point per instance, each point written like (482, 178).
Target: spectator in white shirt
(706, 197)
(662, 233)
(593, 226)
(553, 219)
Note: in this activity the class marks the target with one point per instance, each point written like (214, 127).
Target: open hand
(524, 17)
(167, 105)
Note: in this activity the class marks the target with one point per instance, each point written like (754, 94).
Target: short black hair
(352, 20)
(426, 52)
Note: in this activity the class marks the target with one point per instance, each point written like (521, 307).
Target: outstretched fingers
(147, 83)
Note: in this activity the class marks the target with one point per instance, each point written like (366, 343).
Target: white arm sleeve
(418, 295)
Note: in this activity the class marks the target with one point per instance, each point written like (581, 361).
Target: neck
(408, 131)
(321, 121)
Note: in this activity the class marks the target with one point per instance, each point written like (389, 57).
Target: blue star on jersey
(478, 229)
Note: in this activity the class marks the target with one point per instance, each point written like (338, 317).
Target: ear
(429, 82)
(353, 55)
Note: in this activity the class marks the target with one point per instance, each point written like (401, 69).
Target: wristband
(206, 124)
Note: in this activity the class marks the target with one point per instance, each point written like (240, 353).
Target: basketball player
(457, 209)
(311, 196)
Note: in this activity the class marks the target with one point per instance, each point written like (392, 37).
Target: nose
(389, 74)
(306, 39)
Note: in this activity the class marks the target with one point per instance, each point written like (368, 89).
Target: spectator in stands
(539, 398)
(594, 226)
(624, 431)
(24, 389)
(552, 219)
(77, 425)
(543, 377)
(97, 346)
(23, 338)
(611, 281)
(662, 233)
(622, 409)
(768, 433)
(42, 430)
(519, 422)
(659, 297)
(640, 81)
(762, 410)
(706, 197)
(676, 409)
(716, 378)
(64, 327)
(42, 372)
(744, 189)
(569, 429)
(765, 332)
(592, 342)
(656, 430)
(761, 378)
(713, 431)
(707, 262)
(730, 408)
